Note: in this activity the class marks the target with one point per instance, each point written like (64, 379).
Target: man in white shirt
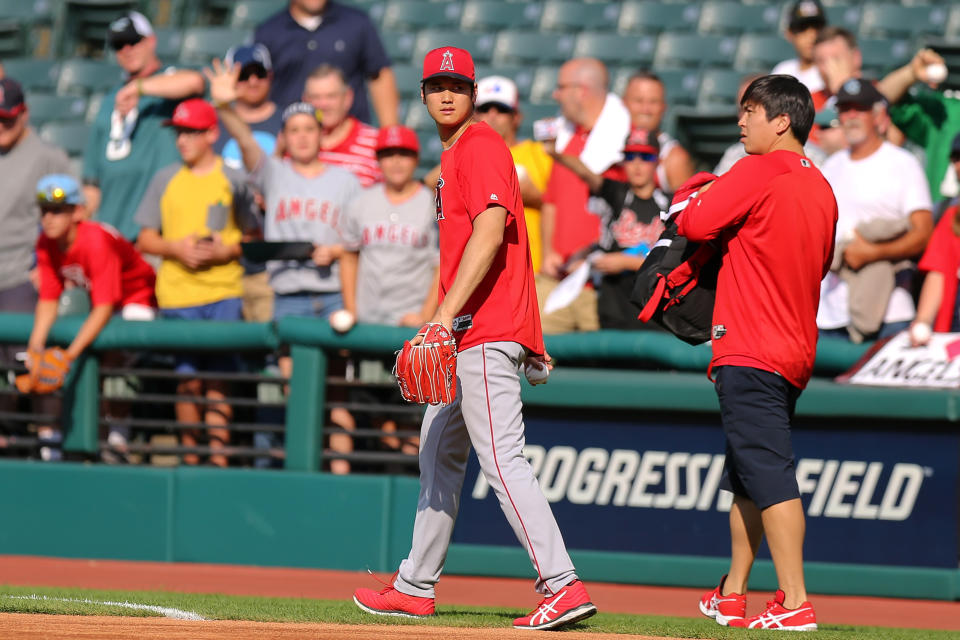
(881, 195)
(806, 18)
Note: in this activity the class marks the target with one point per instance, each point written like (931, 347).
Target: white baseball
(921, 332)
(342, 320)
(936, 72)
(536, 372)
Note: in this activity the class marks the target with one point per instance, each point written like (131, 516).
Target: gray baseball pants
(486, 413)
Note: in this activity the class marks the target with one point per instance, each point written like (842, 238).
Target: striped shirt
(357, 153)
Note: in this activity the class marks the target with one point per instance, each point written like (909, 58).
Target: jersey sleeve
(487, 176)
(51, 286)
(910, 115)
(105, 270)
(350, 226)
(937, 256)
(725, 204)
(148, 214)
(262, 174)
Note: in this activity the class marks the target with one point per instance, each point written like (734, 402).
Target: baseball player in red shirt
(488, 301)
(88, 255)
(774, 217)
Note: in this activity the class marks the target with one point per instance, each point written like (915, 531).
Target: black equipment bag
(677, 284)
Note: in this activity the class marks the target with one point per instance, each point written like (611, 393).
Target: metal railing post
(305, 408)
(81, 404)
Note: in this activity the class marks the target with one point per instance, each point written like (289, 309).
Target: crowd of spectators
(275, 142)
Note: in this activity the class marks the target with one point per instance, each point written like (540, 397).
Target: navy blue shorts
(756, 407)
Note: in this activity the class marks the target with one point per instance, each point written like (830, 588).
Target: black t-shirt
(631, 225)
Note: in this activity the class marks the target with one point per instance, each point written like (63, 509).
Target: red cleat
(778, 617)
(570, 604)
(723, 609)
(390, 602)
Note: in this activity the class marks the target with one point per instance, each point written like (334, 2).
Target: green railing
(311, 341)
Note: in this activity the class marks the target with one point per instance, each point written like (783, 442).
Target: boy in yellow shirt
(192, 216)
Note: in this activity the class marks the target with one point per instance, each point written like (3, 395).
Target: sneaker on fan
(390, 602)
(570, 604)
(777, 616)
(723, 609)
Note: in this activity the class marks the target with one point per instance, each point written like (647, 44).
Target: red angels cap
(397, 137)
(449, 61)
(194, 113)
(642, 141)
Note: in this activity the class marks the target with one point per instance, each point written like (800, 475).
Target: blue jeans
(230, 309)
(306, 304)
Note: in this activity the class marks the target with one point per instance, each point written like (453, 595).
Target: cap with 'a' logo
(397, 137)
(450, 62)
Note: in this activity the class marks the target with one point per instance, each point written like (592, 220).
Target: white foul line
(168, 612)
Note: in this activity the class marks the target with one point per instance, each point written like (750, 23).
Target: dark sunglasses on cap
(484, 108)
(252, 70)
(119, 43)
(642, 155)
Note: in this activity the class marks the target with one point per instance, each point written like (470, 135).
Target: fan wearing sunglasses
(629, 226)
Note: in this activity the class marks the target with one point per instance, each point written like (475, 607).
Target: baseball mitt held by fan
(48, 370)
(427, 372)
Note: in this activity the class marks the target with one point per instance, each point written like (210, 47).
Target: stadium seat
(953, 24)
(544, 82)
(759, 52)
(480, 45)
(534, 48)
(413, 15)
(681, 85)
(201, 44)
(399, 46)
(574, 15)
(492, 15)
(725, 17)
(679, 50)
(169, 41)
(417, 117)
(33, 74)
(719, 87)
(651, 16)
(881, 55)
(896, 21)
(48, 107)
(82, 76)
(706, 134)
(408, 80)
(83, 24)
(846, 16)
(247, 14)
(616, 49)
(69, 136)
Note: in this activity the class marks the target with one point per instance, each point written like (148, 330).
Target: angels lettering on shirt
(308, 209)
(395, 234)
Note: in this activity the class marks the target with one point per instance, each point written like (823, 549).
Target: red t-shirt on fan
(775, 216)
(357, 153)
(101, 261)
(476, 173)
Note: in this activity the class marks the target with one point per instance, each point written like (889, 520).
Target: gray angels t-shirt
(20, 169)
(303, 209)
(399, 252)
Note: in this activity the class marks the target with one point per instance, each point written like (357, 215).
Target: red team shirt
(477, 172)
(775, 215)
(357, 153)
(101, 261)
(943, 255)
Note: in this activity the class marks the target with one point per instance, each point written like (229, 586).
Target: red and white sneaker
(723, 609)
(777, 616)
(390, 602)
(570, 604)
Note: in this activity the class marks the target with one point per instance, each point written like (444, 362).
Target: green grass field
(211, 606)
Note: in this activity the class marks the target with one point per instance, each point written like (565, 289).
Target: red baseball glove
(427, 372)
(48, 370)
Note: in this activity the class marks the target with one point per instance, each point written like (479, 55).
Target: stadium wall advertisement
(870, 496)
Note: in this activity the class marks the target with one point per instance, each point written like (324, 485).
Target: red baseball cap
(195, 113)
(450, 62)
(397, 137)
(642, 141)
